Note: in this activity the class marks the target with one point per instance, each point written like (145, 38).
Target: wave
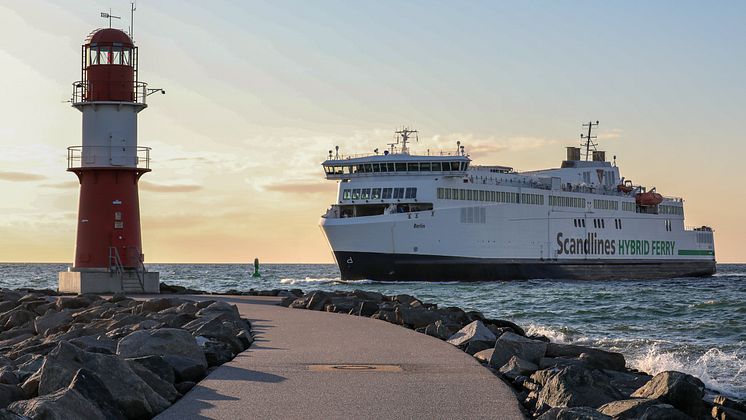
(721, 371)
(321, 280)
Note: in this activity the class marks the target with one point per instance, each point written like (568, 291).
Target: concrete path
(283, 374)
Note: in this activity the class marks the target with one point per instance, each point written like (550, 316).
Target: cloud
(150, 186)
(20, 176)
(302, 188)
(62, 185)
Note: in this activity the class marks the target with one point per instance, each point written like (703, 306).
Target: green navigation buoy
(256, 268)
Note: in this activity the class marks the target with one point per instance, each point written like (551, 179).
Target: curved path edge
(292, 371)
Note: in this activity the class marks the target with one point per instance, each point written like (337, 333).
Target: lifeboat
(625, 187)
(650, 198)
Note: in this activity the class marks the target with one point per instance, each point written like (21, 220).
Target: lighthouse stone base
(106, 282)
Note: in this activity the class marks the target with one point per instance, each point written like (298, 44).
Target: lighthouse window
(365, 194)
(411, 193)
(355, 194)
(375, 193)
(387, 193)
(346, 194)
(398, 192)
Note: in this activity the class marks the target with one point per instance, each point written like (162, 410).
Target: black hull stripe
(408, 267)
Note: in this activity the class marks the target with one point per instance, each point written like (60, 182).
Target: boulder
(385, 315)
(440, 329)
(598, 358)
(720, 412)
(573, 413)
(729, 403)
(63, 404)
(518, 367)
(573, 386)
(133, 397)
(96, 344)
(366, 308)
(184, 386)
(415, 317)
(316, 301)
(10, 393)
(501, 323)
(374, 297)
(484, 356)
(641, 408)
(76, 302)
(474, 331)
(511, 344)
(166, 342)
(157, 365)
(16, 317)
(475, 346)
(627, 382)
(7, 376)
(29, 367)
(87, 384)
(683, 391)
(50, 321)
(162, 387)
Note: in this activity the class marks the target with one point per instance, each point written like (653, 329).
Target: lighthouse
(109, 163)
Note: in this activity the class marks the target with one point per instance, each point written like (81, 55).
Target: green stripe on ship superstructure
(696, 252)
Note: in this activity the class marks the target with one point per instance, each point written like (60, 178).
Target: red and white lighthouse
(109, 164)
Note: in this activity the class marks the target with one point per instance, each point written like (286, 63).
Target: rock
(30, 367)
(76, 302)
(415, 317)
(404, 299)
(598, 358)
(157, 365)
(439, 329)
(166, 342)
(186, 369)
(164, 388)
(184, 386)
(720, 412)
(729, 403)
(627, 382)
(501, 323)
(16, 318)
(7, 376)
(642, 408)
(511, 344)
(518, 367)
(560, 362)
(374, 297)
(223, 311)
(156, 305)
(10, 393)
(63, 404)
(316, 301)
(366, 308)
(573, 386)
(573, 413)
(87, 384)
(132, 395)
(484, 356)
(385, 315)
(96, 344)
(5, 414)
(476, 331)
(50, 321)
(475, 346)
(683, 391)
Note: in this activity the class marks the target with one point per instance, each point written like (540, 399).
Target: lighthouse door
(118, 149)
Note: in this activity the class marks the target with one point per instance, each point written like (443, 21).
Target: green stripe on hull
(696, 252)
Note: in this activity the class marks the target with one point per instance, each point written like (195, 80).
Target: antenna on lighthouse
(109, 16)
(133, 7)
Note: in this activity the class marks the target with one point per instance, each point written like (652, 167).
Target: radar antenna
(404, 135)
(589, 143)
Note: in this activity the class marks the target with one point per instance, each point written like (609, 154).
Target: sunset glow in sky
(258, 92)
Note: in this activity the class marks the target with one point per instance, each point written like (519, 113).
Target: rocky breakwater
(552, 380)
(68, 357)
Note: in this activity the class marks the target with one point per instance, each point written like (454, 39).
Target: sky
(258, 92)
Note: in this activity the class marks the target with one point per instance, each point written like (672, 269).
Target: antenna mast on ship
(404, 135)
(589, 143)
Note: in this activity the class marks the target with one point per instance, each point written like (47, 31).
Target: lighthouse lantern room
(109, 164)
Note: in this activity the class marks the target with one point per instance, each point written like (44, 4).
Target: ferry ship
(407, 217)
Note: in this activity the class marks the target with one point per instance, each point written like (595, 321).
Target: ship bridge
(396, 164)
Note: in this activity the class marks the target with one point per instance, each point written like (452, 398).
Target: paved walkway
(283, 375)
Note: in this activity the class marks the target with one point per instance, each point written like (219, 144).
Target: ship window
(441, 193)
(448, 193)
(425, 166)
(411, 193)
(375, 193)
(454, 193)
(461, 194)
(368, 168)
(365, 194)
(355, 194)
(390, 167)
(376, 168)
(469, 194)
(413, 166)
(401, 167)
(398, 192)
(481, 195)
(387, 193)
(436, 167)
(346, 194)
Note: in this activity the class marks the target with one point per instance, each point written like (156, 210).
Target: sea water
(693, 325)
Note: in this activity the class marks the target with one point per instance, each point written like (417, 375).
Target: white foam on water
(555, 335)
(720, 371)
(317, 280)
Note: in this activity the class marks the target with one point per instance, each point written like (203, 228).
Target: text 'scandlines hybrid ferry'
(406, 217)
